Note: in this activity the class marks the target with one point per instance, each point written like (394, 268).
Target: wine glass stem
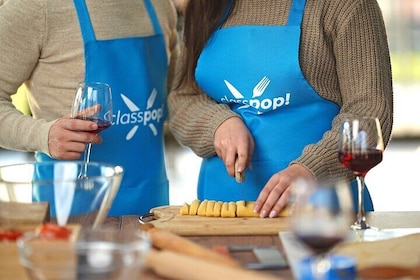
(86, 159)
(360, 219)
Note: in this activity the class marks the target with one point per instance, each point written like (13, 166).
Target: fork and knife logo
(258, 90)
(136, 117)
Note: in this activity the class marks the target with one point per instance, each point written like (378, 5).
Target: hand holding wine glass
(320, 220)
(360, 148)
(93, 102)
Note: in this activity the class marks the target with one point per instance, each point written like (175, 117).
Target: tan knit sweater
(41, 45)
(343, 54)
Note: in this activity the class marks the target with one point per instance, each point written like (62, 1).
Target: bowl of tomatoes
(85, 254)
(60, 192)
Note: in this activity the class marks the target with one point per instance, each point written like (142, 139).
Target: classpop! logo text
(257, 101)
(149, 117)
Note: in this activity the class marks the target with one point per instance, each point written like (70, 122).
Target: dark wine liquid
(102, 124)
(360, 163)
(319, 244)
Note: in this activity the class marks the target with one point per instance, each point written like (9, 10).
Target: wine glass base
(339, 267)
(361, 226)
(370, 234)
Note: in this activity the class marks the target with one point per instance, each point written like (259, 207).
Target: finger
(279, 203)
(270, 194)
(250, 153)
(80, 125)
(83, 137)
(68, 150)
(69, 156)
(230, 162)
(239, 173)
(241, 161)
(262, 197)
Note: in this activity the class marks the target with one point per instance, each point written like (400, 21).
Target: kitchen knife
(240, 178)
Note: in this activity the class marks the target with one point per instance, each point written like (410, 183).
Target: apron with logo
(136, 69)
(256, 71)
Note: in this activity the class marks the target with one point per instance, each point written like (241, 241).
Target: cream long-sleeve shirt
(42, 47)
(343, 54)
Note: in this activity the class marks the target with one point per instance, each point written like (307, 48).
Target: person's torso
(136, 68)
(264, 84)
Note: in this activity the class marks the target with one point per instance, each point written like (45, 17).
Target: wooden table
(377, 219)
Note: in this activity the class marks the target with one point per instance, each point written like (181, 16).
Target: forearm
(365, 85)
(21, 132)
(20, 47)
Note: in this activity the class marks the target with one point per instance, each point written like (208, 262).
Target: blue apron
(278, 105)
(136, 69)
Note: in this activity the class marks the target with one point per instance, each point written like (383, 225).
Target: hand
(232, 140)
(68, 137)
(276, 193)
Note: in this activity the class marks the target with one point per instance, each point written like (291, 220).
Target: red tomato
(53, 231)
(10, 235)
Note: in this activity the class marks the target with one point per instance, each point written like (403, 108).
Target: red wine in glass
(361, 162)
(102, 124)
(319, 244)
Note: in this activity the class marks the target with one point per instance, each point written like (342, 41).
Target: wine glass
(93, 102)
(320, 220)
(360, 148)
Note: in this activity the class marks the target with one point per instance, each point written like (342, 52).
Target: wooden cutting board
(401, 251)
(15, 214)
(168, 217)
(10, 267)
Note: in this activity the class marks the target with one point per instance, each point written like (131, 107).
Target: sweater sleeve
(364, 73)
(21, 34)
(194, 118)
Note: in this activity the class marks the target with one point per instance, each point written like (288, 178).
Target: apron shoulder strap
(296, 12)
(86, 25)
(153, 17)
(84, 21)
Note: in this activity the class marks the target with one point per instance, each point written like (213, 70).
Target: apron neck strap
(296, 12)
(84, 21)
(153, 17)
(86, 25)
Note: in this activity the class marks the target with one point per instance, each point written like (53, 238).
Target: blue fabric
(136, 69)
(283, 117)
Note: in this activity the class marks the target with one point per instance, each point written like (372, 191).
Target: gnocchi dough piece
(217, 209)
(209, 208)
(202, 208)
(285, 212)
(228, 210)
(185, 209)
(245, 209)
(194, 207)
